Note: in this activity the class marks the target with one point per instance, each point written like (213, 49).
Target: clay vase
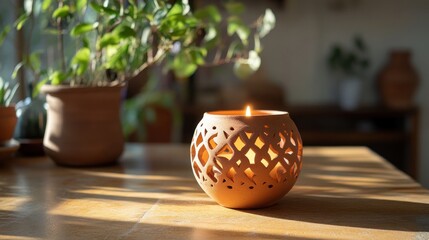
(398, 81)
(7, 123)
(83, 126)
(246, 162)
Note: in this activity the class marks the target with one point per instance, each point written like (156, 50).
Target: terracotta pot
(7, 123)
(83, 127)
(398, 81)
(246, 162)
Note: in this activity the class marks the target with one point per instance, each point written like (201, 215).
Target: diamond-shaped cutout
(248, 135)
(282, 141)
(225, 152)
(291, 139)
(250, 174)
(294, 169)
(212, 144)
(218, 163)
(251, 156)
(289, 151)
(286, 161)
(211, 173)
(199, 139)
(231, 173)
(264, 162)
(278, 172)
(193, 152)
(239, 143)
(273, 153)
(203, 155)
(239, 163)
(259, 143)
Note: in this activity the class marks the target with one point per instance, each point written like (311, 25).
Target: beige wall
(295, 52)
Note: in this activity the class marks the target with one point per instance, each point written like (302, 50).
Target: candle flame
(248, 112)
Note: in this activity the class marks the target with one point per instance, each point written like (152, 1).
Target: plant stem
(61, 40)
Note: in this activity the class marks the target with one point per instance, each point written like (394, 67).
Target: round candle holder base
(246, 162)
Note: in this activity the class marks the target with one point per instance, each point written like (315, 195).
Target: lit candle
(246, 159)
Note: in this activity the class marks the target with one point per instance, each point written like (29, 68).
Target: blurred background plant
(350, 62)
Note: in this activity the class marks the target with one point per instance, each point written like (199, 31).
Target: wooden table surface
(342, 193)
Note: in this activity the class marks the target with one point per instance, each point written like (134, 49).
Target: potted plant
(116, 41)
(7, 112)
(350, 66)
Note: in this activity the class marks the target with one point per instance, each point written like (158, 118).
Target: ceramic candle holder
(246, 161)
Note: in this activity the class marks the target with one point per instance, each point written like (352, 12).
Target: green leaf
(46, 4)
(177, 9)
(234, 8)
(81, 60)
(19, 23)
(235, 25)
(109, 39)
(85, 42)
(183, 65)
(176, 27)
(124, 31)
(81, 56)
(38, 86)
(198, 55)
(234, 47)
(103, 10)
(258, 46)
(28, 6)
(159, 15)
(3, 34)
(244, 68)
(16, 70)
(268, 23)
(186, 7)
(83, 28)
(117, 59)
(57, 77)
(209, 14)
(211, 34)
(62, 12)
(151, 6)
(81, 4)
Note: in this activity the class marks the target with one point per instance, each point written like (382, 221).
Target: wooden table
(342, 193)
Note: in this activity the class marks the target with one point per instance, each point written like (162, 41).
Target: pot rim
(7, 111)
(241, 113)
(50, 89)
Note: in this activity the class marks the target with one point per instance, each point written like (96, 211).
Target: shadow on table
(67, 227)
(351, 212)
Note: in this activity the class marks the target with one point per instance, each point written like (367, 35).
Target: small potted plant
(350, 66)
(7, 111)
(116, 41)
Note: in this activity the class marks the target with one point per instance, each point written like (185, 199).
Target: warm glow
(248, 112)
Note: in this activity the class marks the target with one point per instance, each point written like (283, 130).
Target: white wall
(295, 52)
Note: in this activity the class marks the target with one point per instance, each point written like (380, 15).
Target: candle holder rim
(242, 113)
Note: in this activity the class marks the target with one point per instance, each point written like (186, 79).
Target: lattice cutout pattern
(245, 156)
